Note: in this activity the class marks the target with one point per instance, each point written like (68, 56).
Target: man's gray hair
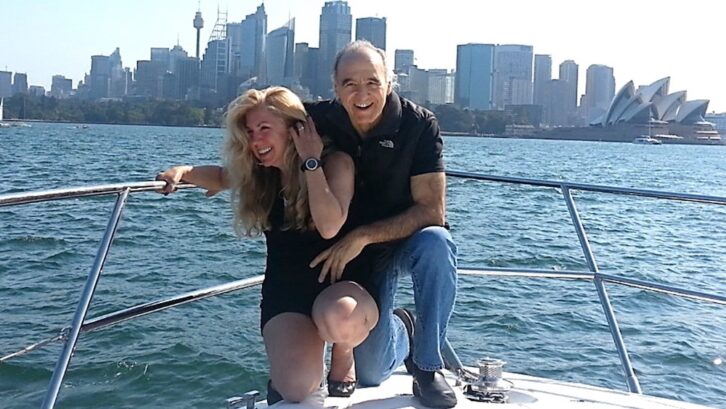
(356, 47)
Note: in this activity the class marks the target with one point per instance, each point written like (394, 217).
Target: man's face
(361, 87)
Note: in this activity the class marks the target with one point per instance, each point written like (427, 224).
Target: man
(397, 218)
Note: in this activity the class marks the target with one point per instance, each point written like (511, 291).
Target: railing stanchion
(630, 378)
(86, 296)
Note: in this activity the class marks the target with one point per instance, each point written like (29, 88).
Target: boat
(646, 140)
(2, 123)
(479, 384)
(6, 124)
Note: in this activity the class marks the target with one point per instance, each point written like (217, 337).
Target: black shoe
(409, 321)
(273, 396)
(341, 389)
(432, 389)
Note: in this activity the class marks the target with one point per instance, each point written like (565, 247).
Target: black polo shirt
(405, 143)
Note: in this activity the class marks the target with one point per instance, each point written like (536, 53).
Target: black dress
(290, 285)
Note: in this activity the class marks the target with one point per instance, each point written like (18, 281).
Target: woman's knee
(345, 313)
(296, 388)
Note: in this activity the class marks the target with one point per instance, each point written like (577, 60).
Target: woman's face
(361, 87)
(268, 136)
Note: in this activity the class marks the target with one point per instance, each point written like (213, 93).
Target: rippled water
(199, 354)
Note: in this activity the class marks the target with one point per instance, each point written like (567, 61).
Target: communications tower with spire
(198, 24)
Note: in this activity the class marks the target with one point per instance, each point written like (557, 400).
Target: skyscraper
(569, 72)
(6, 84)
(279, 54)
(513, 75)
(542, 76)
(61, 86)
(20, 83)
(100, 86)
(599, 90)
(252, 44)
(335, 32)
(372, 29)
(474, 76)
(402, 60)
(441, 87)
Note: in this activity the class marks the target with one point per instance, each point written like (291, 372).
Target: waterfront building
(648, 110)
(474, 84)
(441, 87)
(100, 77)
(335, 33)
(372, 29)
(513, 75)
(214, 65)
(279, 54)
(61, 87)
(402, 60)
(6, 84)
(118, 80)
(36, 91)
(20, 83)
(599, 90)
(187, 75)
(414, 84)
(718, 120)
(557, 103)
(569, 72)
(542, 77)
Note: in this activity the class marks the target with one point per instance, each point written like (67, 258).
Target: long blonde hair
(254, 187)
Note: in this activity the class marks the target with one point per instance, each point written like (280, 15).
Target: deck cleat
(489, 386)
(247, 401)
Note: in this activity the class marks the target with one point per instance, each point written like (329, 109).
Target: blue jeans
(429, 255)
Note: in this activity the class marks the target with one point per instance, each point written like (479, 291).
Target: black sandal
(341, 389)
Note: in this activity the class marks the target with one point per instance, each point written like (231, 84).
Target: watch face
(311, 164)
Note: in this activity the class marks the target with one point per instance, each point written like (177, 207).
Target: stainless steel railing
(80, 324)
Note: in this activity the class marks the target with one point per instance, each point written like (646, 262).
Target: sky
(643, 40)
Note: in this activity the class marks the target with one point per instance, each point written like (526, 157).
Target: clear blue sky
(643, 40)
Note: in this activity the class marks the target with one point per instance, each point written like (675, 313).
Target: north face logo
(386, 143)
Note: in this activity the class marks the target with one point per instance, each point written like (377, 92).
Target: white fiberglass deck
(528, 392)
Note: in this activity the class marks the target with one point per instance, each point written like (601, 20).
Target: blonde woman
(286, 186)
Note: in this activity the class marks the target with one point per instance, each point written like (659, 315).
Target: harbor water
(197, 355)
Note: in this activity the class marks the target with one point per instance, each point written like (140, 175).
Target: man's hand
(339, 255)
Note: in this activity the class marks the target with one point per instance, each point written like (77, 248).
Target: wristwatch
(310, 164)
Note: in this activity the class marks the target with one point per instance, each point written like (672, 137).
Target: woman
(285, 186)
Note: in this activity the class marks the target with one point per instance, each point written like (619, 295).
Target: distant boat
(646, 140)
(4, 124)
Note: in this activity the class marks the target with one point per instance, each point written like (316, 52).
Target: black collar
(388, 126)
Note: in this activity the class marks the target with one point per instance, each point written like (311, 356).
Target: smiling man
(396, 221)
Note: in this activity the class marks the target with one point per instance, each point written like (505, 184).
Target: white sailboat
(647, 139)
(2, 123)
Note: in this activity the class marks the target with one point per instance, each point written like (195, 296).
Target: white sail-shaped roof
(619, 103)
(667, 107)
(692, 111)
(658, 88)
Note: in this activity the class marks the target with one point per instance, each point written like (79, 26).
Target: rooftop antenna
(219, 32)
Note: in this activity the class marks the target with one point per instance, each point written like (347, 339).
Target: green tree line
(182, 113)
(147, 112)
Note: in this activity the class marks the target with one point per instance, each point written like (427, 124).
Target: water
(199, 354)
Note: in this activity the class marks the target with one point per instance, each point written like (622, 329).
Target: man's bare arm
(429, 209)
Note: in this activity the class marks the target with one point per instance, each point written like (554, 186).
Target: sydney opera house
(647, 111)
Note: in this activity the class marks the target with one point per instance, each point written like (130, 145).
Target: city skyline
(614, 36)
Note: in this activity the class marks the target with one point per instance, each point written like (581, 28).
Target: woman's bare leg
(295, 352)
